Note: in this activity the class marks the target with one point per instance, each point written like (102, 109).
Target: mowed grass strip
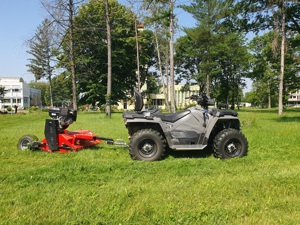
(103, 185)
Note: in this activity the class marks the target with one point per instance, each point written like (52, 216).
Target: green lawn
(104, 186)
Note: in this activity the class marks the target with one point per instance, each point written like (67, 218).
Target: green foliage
(104, 186)
(42, 50)
(264, 15)
(62, 89)
(214, 52)
(90, 48)
(265, 68)
(44, 88)
(2, 91)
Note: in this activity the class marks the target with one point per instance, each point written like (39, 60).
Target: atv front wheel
(147, 145)
(230, 143)
(25, 142)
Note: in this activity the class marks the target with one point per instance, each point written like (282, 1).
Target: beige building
(158, 100)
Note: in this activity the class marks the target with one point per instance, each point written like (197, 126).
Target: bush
(33, 108)
(45, 109)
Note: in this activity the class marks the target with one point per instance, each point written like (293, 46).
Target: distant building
(294, 98)
(157, 100)
(18, 93)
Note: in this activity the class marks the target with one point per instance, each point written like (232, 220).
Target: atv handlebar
(202, 100)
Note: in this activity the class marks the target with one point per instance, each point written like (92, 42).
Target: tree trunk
(280, 98)
(72, 61)
(108, 94)
(269, 95)
(50, 91)
(172, 91)
(165, 91)
(137, 55)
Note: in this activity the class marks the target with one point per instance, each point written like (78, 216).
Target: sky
(18, 22)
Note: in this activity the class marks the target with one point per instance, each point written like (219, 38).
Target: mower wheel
(147, 145)
(230, 143)
(25, 142)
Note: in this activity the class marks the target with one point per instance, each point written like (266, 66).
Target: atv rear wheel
(25, 142)
(147, 145)
(230, 143)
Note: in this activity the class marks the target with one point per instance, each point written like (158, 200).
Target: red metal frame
(68, 141)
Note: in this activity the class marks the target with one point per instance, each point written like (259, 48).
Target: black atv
(151, 132)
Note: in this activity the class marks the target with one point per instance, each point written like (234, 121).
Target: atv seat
(172, 117)
(221, 113)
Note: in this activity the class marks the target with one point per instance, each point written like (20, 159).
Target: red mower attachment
(57, 138)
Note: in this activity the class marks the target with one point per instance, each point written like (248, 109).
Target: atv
(152, 132)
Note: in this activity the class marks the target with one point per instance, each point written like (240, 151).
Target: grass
(104, 186)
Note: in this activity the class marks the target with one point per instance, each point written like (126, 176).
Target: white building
(18, 93)
(294, 98)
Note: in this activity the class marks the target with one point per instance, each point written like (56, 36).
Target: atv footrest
(188, 147)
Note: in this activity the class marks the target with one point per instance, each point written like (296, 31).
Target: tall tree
(42, 49)
(92, 54)
(213, 53)
(61, 89)
(109, 73)
(208, 15)
(62, 13)
(271, 14)
(154, 21)
(264, 66)
(164, 14)
(172, 75)
(44, 88)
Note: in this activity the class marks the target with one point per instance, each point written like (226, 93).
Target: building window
(16, 100)
(155, 102)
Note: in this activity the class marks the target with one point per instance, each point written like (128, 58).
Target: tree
(208, 15)
(189, 61)
(172, 75)
(273, 14)
(44, 88)
(109, 73)
(61, 90)
(163, 13)
(156, 20)
(213, 53)
(2, 91)
(264, 64)
(232, 59)
(90, 41)
(43, 49)
(62, 13)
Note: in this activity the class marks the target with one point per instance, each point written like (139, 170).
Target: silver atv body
(152, 132)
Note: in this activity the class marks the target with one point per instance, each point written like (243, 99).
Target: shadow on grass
(258, 110)
(286, 119)
(207, 152)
